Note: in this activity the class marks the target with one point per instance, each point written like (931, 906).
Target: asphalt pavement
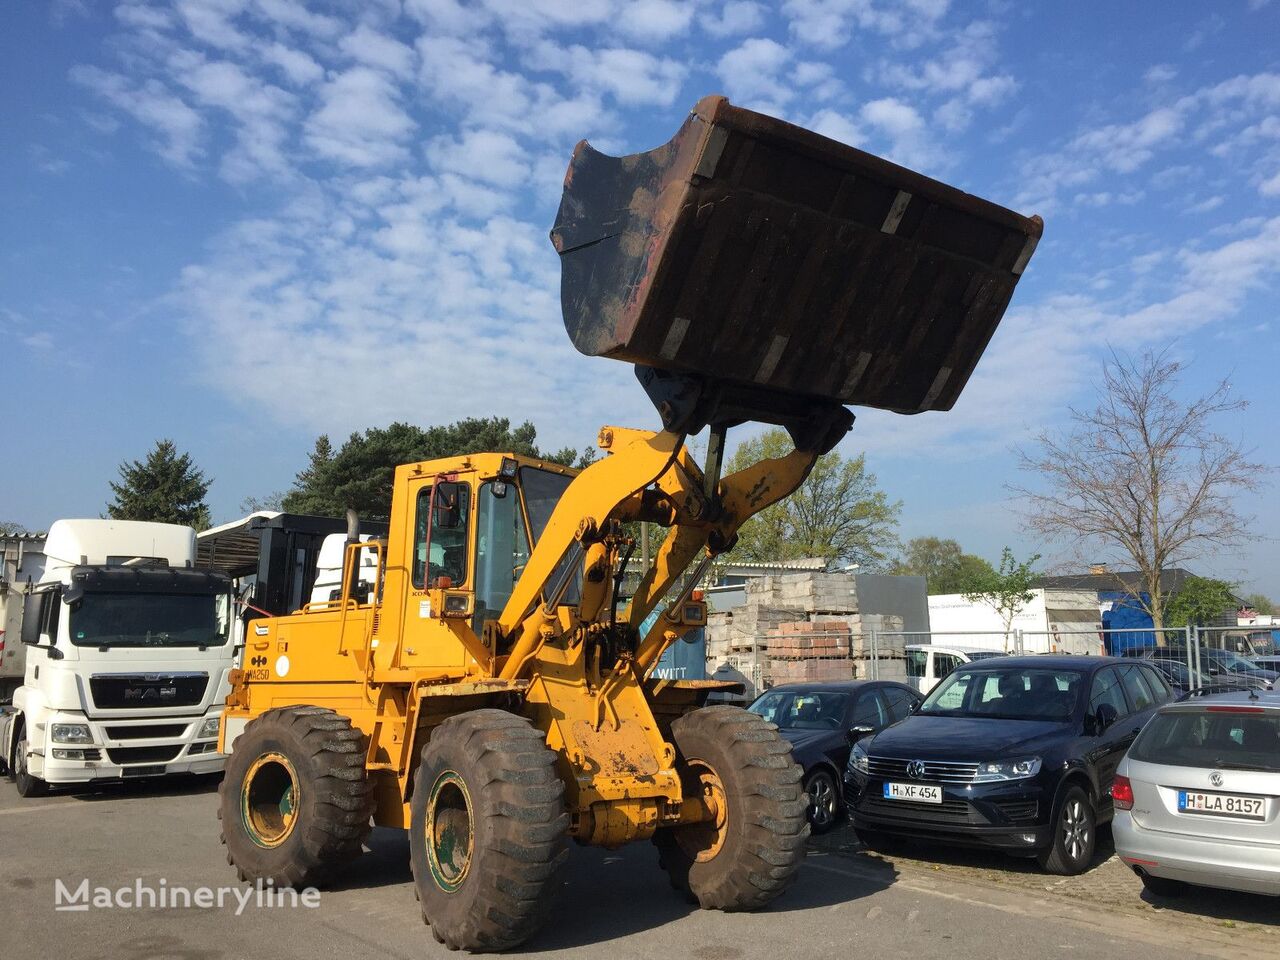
(163, 838)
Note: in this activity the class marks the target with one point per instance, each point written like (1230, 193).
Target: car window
(1225, 739)
(1159, 686)
(797, 710)
(944, 663)
(869, 711)
(901, 703)
(1106, 690)
(917, 660)
(1136, 689)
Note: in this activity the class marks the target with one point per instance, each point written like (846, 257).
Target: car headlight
(209, 728)
(70, 733)
(1007, 770)
(858, 758)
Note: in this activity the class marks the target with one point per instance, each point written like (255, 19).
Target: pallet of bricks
(803, 626)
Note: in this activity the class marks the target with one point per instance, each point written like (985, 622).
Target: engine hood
(962, 738)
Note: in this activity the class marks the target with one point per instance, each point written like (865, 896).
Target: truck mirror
(32, 605)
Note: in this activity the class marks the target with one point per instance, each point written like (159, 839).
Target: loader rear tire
(750, 853)
(487, 831)
(295, 803)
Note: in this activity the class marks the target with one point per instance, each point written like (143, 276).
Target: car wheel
(1075, 830)
(1163, 887)
(824, 801)
(28, 784)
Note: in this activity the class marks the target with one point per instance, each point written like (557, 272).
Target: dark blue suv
(1015, 753)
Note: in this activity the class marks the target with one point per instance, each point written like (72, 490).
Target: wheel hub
(269, 799)
(702, 841)
(450, 834)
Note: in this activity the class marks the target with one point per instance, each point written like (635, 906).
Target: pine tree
(165, 488)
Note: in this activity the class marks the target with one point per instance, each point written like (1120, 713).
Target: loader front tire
(487, 830)
(295, 803)
(750, 852)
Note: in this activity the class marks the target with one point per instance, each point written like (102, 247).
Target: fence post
(875, 654)
(1018, 643)
(1193, 654)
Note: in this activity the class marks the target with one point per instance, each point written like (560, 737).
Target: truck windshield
(150, 620)
(542, 491)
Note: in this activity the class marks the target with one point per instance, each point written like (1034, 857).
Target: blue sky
(241, 223)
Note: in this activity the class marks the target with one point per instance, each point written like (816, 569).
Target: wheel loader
(492, 692)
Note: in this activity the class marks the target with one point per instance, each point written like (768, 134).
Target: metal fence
(761, 662)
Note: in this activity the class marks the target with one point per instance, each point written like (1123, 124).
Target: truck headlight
(1007, 770)
(858, 758)
(70, 733)
(209, 728)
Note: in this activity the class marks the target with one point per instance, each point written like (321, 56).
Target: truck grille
(123, 755)
(935, 771)
(146, 731)
(123, 691)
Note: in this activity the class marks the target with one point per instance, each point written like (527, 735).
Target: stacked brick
(804, 627)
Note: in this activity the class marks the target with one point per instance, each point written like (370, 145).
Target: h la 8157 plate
(1222, 805)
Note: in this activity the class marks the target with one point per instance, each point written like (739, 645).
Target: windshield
(542, 491)
(1229, 661)
(975, 655)
(1180, 673)
(802, 711)
(150, 620)
(1014, 693)
(1227, 740)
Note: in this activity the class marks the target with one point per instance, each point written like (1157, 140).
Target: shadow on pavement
(1226, 906)
(174, 785)
(609, 894)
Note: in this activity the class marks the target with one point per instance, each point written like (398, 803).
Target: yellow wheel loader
(491, 691)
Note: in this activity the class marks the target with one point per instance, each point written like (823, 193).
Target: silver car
(1197, 797)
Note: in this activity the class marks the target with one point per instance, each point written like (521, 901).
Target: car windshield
(1180, 673)
(1215, 737)
(1229, 661)
(150, 620)
(1011, 693)
(792, 710)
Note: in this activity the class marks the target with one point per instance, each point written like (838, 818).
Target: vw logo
(915, 769)
(1215, 778)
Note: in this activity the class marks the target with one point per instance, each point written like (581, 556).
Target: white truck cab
(928, 664)
(128, 654)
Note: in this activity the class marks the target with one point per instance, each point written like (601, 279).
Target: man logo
(1215, 778)
(915, 769)
(258, 661)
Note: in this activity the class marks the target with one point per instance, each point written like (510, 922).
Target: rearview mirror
(1101, 718)
(448, 513)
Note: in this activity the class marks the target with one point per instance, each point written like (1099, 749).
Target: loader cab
(471, 529)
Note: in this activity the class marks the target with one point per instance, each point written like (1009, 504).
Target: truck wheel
(295, 801)
(27, 783)
(487, 830)
(750, 852)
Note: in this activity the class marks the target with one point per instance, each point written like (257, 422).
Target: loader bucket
(750, 251)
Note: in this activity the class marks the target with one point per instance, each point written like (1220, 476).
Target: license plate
(917, 792)
(1222, 805)
(151, 770)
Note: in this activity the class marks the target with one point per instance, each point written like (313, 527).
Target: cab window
(447, 539)
(502, 549)
(917, 660)
(944, 663)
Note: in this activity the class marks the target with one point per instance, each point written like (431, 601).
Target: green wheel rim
(269, 800)
(450, 833)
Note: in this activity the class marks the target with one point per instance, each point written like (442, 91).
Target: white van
(928, 663)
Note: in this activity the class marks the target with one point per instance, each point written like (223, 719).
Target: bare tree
(1144, 477)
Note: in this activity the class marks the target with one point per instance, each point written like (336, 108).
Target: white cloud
(371, 48)
(753, 72)
(486, 155)
(631, 77)
(904, 128)
(360, 121)
(654, 20)
(736, 17)
(837, 126)
(1271, 186)
(829, 24)
(212, 22)
(154, 106)
(298, 67)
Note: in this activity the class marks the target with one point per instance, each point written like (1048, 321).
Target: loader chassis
(415, 655)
